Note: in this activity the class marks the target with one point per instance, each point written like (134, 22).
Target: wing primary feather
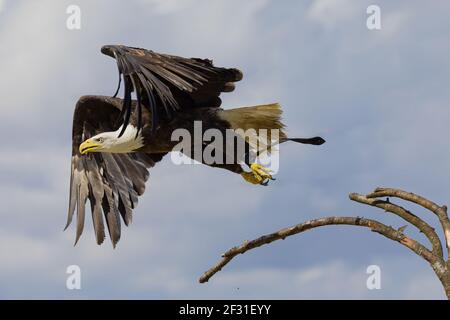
(120, 74)
(81, 197)
(96, 193)
(112, 217)
(139, 106)
(118, 86)
(121, 62)
(72, 196)
(126, 105)
(151, 101)
(139, 117)
(162, 90)
(121, 186)
(124, 187)
(97, 219)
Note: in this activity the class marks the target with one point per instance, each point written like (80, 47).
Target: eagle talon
(259, 175)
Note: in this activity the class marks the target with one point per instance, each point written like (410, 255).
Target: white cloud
(168, 6)
(324, 281)
(330, 280)
(30, 57)
(395, 22)
(331, 12)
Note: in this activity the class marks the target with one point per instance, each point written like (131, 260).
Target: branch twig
(424, 227)
(439, 211)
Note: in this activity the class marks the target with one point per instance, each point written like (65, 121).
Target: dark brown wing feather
(166, 83)
(111, 182)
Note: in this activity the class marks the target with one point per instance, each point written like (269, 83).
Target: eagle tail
(266, 116)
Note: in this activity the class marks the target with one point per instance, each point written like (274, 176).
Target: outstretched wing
(111, 182)
(166, 83)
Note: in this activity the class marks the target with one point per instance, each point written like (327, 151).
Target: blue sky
(379, 98)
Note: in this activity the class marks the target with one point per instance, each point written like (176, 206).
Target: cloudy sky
(379, 98)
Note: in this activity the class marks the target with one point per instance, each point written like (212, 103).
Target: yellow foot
(258, 175)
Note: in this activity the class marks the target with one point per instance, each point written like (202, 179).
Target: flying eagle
(116, 141)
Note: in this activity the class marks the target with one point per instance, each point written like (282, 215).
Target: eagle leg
(258, 175)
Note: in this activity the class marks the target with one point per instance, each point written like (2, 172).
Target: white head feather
(111, 142)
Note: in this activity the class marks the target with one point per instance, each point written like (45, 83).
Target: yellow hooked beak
(89, 146)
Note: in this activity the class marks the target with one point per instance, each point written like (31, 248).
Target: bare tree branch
(439, 211)
(424, 227)
(374, 225)
(435, 257)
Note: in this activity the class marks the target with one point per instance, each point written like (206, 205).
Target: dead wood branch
(439, 211)
(434, 257)
(424, 227)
